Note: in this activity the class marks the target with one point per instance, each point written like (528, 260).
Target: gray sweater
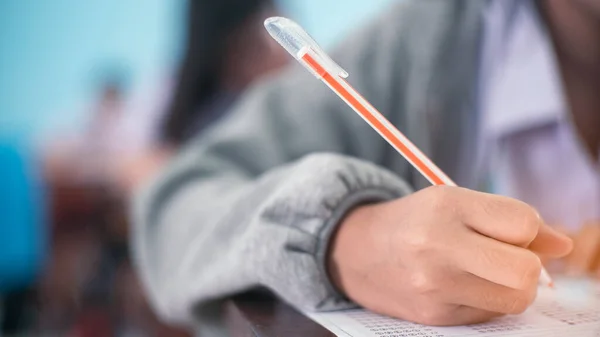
(253, 202)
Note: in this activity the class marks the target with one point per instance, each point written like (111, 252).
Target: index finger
(502, 218)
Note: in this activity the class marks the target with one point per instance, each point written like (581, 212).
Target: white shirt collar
(522, 88)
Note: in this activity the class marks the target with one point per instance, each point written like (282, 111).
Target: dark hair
(210, 23)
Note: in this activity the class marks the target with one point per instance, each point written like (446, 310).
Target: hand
(443, 256)
(585, 257)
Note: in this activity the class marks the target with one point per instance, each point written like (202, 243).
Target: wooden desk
(255, 316)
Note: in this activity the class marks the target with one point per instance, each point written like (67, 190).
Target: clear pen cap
(297, 42)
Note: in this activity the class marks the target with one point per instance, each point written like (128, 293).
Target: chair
(22, 231)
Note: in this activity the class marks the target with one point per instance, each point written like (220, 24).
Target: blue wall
(23, 237)
(51, 50)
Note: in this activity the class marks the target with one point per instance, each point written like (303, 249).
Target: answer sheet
(571, 309)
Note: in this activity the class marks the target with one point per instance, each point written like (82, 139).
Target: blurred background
(96, 96)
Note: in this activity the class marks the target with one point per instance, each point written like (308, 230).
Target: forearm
(216, 238)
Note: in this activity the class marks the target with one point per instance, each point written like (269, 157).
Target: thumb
(551, 243)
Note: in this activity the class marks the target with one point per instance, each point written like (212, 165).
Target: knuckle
(531, 267)
(440, 199)
(520, 303)
(423, 283)
(518, 306)
(490, 257)
(418, 242)
(530, 220)
(531, 296)
(524, 220)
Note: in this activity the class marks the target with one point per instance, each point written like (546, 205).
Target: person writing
(295, 194)
(226, 50)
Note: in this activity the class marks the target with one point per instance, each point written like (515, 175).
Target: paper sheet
(572, 309)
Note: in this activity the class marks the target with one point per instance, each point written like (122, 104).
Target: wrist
(349, 245)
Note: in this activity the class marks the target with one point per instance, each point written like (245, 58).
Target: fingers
(551, 243)
(451, 315)
(467, 315)
(481, 294)
(498, 262)
(511, 221)
(501, 218)
(584, 256)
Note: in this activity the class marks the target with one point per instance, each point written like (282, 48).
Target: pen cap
(297, 42)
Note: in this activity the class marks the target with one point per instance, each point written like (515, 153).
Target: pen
(306, 50)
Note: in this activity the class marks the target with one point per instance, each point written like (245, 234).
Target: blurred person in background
(87, 157)
(226, 50)
(296, 194)
(78, 168)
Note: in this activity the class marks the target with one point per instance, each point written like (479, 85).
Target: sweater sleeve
(253, 202)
